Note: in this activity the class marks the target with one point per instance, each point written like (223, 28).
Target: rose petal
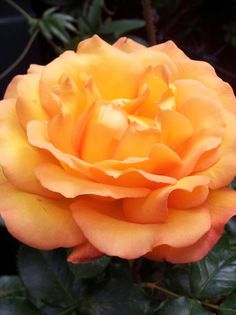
(60, 129)
(136, 142)
(105, 127)
(222, 206)
(36, 221)
(200, 71)
(156, 87)
(28, 105)
(99, 59)
(116, 237)
(160, 161)
(38, 136)
(188, 192)
(18, 158)
(176, 129)
(223, 171)
(56, 179)
(128, 45)
(11, 91)
(186, 89)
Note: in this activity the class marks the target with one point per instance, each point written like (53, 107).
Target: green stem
(21, 57)
(175, 295)
(19, 9)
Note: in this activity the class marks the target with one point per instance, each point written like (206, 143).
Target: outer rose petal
(17, 155)
(223, 171)
(128, 45)
(117, 237)
(11, 91)
(36, 221)
(201, 71)
(28, 105)
(222, 205)
(99, 59)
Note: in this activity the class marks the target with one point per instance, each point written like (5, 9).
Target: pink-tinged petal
(176, 129)
(28, 105)
(222, 172)
(18, 158)
(99, 59)
(38, 137)
(83, 253)
(11, 91)
(222, 206)
(56, 179)
(128, 45)
(37, 221)
(105, 128)
(200, 71)
(117, 237)
(187, 193)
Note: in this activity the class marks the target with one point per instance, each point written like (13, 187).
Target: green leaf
(91, 269)
(182, 306)
(120, 27)
(228, 307)
(47, 277)
(215, 275)
(11, 286)
(13, 306)
(94, 13)
(177, 279)
(84, 26)
(115, 297)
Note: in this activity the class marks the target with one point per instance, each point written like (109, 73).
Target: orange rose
(120, 150)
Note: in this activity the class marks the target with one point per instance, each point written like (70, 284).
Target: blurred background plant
(205, 30)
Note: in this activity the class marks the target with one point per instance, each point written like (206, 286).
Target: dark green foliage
(182, 306)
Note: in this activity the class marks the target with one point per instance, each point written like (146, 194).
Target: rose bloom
(120, 150)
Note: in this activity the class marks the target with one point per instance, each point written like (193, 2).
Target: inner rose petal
(56, 179)
(38, 136)
(105, 127)
(136, 142)
(176, 129)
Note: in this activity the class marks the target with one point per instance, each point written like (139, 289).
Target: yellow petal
(18, 158)
(37, 221)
